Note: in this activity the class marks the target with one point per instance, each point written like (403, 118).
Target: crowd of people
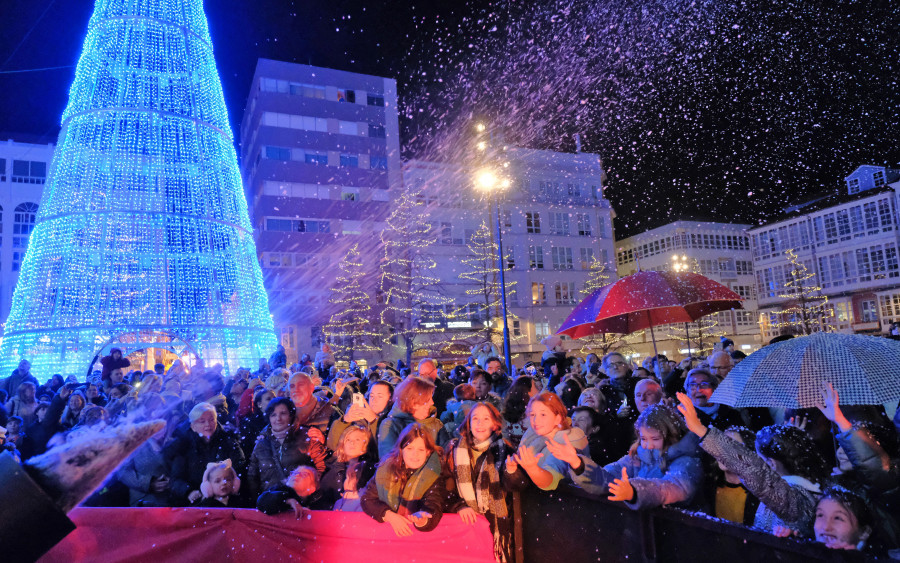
(409, 447)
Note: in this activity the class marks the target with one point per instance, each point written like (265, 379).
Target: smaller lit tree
(602, 344)
(808, 310)
(350, 328)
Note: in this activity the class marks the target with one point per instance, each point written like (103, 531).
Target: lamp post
(680, 264)
(490, 182)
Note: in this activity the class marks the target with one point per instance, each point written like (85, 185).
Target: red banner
(197, 534)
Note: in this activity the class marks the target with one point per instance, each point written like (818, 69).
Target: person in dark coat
(412, 403)
(443, 390)
(19, 375)
(281, 448)
(619, 390)
(349, 470)
(278, 359)
(255, 421)
(407, 489)
(299, 491)
(699, 386)
(114, 360)
(192, 449)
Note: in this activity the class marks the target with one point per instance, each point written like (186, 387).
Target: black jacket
(188, 454)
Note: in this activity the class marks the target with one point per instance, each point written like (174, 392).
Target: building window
(562, 258)
(538, 295)
(378, 163)
(536, 257)
(23, 223)
(507, 219)
(517, 328)
(287, 337)
(349, 161)
(511, 260)
(533, 222)
(565, 293)
(869, 311)
(541, 330)
(277, 153)
(376, 131)
(375, 100)
(2, 169)
(346, 96)
(350, 194)
(587, 258)
(584, 224)
(559, 223)
(297, 225)
(853, 185)
(446, 233)
(878, 177)
(29, 172)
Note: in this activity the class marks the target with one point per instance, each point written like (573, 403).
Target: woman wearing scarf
(548, 421)
(281, 448)
(477, 461)
(407, 488)
(413, 403)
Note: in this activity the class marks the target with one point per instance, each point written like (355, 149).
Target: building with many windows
(555, 222)
(23, 171)
(849, 242)
(719, 251)
(319, 153)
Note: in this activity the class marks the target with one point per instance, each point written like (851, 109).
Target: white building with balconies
(849, 241)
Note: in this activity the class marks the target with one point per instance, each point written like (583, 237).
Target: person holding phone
(364, 412)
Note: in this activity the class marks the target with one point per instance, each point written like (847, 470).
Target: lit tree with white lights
(808, 310)
(413, 304)
(351, 329)
(143, 233)
(483, 304)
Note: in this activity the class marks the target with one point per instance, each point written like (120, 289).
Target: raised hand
(511, 465)
(354, 413)
(798, 422)
(468, 515)
(830, 407)
(400, 524)
(526, 458)
(687, 410)
(564, 452)
(621, 489)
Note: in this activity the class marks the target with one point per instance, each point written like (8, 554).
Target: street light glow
(486, 179)
(479, 127)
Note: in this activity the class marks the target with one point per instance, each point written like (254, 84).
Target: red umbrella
(648, 299)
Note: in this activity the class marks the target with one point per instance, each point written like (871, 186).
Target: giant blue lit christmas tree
(143, 233)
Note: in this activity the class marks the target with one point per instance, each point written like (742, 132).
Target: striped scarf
(483, 493)
(389, 487)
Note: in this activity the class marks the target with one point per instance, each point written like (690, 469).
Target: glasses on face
(704, 385)
(616, 364)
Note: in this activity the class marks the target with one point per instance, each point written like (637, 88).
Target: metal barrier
(571, 526)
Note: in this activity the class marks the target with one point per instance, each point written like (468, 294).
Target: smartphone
(360, 400)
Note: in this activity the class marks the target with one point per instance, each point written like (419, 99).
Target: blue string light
(143, 226)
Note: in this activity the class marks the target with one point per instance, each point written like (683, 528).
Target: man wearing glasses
(620, 388)
(443, 390)
(720, 364)
(699, 386)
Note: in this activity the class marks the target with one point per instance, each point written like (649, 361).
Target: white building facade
(719, 251)
(555, 222)
(850, 242)
(23, 171)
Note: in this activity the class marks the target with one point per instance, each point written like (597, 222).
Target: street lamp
(490, 182)
(680, 263)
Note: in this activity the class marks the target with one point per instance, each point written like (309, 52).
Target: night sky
(709, 109)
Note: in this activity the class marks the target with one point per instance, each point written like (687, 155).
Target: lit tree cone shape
(143, 225)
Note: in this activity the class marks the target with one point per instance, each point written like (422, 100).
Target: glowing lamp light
(486, 179)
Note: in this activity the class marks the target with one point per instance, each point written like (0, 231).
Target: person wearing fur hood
(662, 467)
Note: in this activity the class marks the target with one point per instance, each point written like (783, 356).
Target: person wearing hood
(412, 403)
(115, 360)
(663, 467)
(786, 473)
(278, 359)
(549, 425)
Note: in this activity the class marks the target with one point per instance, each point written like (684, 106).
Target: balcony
(866, 327)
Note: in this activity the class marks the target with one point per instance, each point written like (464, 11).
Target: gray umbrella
(865, 370)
